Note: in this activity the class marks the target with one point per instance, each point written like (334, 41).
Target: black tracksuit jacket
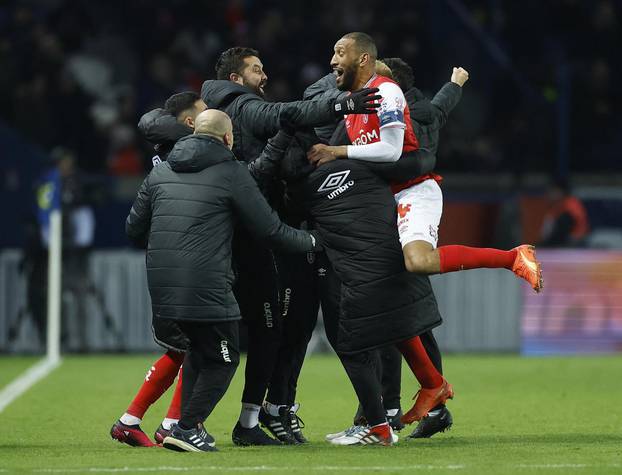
(186, 210)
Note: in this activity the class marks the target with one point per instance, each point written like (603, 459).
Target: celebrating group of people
(263, 212)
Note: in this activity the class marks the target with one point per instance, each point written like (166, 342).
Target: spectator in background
(566, 223)
(78, 233)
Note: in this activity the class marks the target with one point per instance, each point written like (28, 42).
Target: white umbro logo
(333, 181)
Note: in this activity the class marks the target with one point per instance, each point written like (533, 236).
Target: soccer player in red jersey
(383, 138)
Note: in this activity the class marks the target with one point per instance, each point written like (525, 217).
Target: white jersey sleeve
(392, 106)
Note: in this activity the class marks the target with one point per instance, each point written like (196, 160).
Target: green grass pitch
(511, 415)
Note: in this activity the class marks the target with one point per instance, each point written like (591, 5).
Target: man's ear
(189, 121)
(227, 139)
(235, 77)
(364, 59)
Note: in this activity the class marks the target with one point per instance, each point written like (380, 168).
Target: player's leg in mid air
(419, 213)
(158, 379)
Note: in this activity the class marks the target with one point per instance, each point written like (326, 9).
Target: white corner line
(26, 380)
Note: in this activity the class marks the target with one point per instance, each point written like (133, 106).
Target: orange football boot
(426, 400)
(527, 266)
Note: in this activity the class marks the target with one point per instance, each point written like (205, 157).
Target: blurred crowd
(79, 74)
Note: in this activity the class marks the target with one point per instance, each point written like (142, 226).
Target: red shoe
(130, 435)
(426, 400)
(160, 434)
(527, 266)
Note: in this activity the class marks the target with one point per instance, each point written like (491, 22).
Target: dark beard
(348, 78)
(258, 91)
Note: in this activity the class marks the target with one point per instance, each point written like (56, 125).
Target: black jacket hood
(197, 152)
(219, 93)
(160, 127)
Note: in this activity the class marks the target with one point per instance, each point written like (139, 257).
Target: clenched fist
(459, 76)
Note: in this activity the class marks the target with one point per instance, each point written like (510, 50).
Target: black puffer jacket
(354, 211)
(325, 88)
(255, 120)
(161, 129)
(187, 208)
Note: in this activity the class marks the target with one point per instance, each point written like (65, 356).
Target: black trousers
(257, 293)
(209, 365)
(299, 310)
(387, 361)
(362, 369)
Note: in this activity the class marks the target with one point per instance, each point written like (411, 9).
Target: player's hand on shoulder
(459, 76)
(363, 101)
(320, 154)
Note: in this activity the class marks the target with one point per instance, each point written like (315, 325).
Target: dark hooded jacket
(255, 120)
(186, 209)
(353, 210)
(162, 130)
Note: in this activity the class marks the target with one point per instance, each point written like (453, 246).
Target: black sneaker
(395, 421)
(255, 436)
(433, 423)
(191, 440)
(278, 426)
(296, 424)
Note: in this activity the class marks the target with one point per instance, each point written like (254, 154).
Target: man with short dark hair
(265, 298)
(163, 128)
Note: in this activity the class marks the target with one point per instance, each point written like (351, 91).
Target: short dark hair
(402, 72)
(180, 102)
(364, 43)
(232, 61)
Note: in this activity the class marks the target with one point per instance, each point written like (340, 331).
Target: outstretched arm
(261, 220)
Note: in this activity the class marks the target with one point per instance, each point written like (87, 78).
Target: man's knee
(419, 257)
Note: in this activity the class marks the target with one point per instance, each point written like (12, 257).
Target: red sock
(417, 358)
(174, 410)
(159, 378)
(455, 258)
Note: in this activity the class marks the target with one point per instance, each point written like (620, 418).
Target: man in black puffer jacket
(270, 287)
(380, 303)
(162, 128)
(186, 210)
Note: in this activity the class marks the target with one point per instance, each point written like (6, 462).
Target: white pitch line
(319, 468)
(257, 468)
(24, 382)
